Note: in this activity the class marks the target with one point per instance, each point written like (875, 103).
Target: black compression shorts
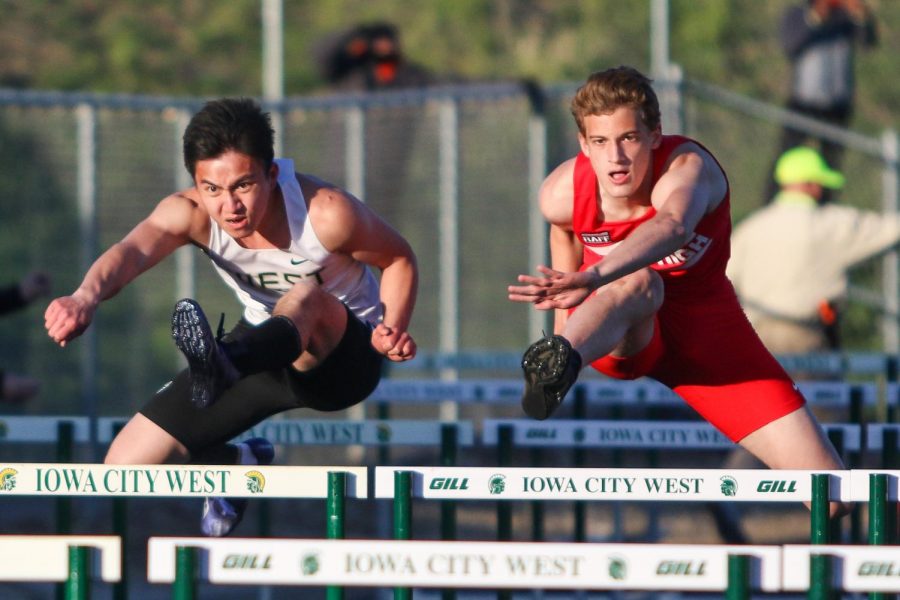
(346, 377)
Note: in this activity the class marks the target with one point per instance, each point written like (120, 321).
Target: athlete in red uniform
(639, 240)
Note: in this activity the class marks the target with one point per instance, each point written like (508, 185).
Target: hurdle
(61, 559)
(623, 434)
(478, 565)
(332, 483)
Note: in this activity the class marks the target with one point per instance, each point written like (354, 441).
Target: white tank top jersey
(261, 277)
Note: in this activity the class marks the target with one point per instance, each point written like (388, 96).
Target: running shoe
(551, 366)
(222, 515)
(210, 369)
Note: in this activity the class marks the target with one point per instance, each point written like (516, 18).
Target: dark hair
(237, 124)
(605, 91)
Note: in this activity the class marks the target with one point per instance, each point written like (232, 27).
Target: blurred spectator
(819, 39)
(13, 387)
(790, 259)
(369, 57)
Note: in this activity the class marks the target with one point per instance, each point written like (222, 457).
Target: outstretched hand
(555, 289)
(395, 344)
(67, 317)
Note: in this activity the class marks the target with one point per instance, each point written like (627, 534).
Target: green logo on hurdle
(497, 484)
(729, 485)
(618, 568)
(384, 433)
(309, 564)
(256, 482)
(8, 479)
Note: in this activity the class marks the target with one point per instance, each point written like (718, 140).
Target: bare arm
(344, 224)
(169, 226)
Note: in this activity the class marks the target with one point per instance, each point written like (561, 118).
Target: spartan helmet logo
(729, 485)
(8, 479)
(618, 569)
(497, 484)
(309, 564)
(256, 482)
(383, 433)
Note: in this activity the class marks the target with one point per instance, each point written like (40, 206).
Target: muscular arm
(344, 224)
(169, 226)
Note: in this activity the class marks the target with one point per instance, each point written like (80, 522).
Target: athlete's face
(620, 147)
(236, 190)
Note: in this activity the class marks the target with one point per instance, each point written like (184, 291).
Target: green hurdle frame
(185, 584)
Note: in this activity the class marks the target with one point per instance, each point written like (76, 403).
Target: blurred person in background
(819, 39)
(369, 57)
(298, 252)
(15, 387)
(790, 260)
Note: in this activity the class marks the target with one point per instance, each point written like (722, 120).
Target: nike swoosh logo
(299, 262)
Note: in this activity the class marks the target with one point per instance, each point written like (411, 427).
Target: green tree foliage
(206, 47)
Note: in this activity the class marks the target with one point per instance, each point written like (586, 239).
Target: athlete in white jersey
(297, 251)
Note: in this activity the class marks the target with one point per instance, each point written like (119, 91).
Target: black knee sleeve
(273, 344)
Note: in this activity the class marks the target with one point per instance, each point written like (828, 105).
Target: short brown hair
(605, 91)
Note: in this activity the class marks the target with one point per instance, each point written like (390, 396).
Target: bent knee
(645, 285)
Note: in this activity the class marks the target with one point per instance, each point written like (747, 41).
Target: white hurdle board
(255, 481)
(535, 565)
(682, 485)
(858, 568)
(40, 558)
(591, 433)
(42, 429)
(391, 432)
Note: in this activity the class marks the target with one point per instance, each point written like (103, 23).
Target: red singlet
(703, 347)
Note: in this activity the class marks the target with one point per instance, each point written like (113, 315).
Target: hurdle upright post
(120, 528)
(78, 584)
(448, 507)
(65, 434)
(738, 577)
(580, 508)
(819, 564)
(402, 519)
(337, 488)
(185, 585)
(504, 459)
(878, 531)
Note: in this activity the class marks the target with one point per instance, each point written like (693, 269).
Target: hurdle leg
(448, 507)
(402, 519)
(878, 532)
(337, 486)
(819, 531)
(77, 586)
(64, 443)
(185, 585)
(120, 528)
(738, 577)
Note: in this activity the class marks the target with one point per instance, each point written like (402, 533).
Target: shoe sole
(194, 338)
(545, 360)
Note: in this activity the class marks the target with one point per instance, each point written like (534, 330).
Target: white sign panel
(64, 479)
(855, 568)
(499, 483)
(46, 557)
(519, 565)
